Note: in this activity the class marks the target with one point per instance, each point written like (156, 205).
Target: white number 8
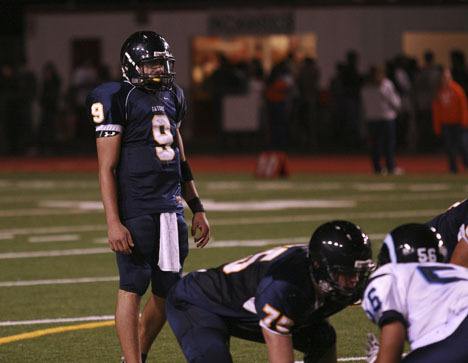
(97, 110)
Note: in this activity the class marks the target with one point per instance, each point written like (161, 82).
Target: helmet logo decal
(130, 59)
(391, 247)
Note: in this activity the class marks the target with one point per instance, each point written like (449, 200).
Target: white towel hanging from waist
(168, 243)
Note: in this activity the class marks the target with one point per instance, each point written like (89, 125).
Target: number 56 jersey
(430, 299)
(148, 173)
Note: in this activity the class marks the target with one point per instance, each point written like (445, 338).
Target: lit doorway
(440, 43)
(237, 113)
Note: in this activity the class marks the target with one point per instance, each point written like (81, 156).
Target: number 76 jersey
(148, 174)
(430, 299)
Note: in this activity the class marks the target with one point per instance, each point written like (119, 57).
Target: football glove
(372, 348)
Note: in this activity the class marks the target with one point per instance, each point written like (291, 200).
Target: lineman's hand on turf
(120, 239)
(200, 229)
(372, 348)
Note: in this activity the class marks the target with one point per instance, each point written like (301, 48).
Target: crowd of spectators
(38, 116)
(350, 113)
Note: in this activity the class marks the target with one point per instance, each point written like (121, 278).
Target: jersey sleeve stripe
(372, 278)
(126, 101)
(109, 127)
(391, 316)
(264, 326)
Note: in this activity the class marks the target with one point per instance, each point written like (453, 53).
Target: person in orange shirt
(450, 119)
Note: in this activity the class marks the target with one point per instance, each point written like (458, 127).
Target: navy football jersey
(148, 174)
(272, 289)
(448, 224)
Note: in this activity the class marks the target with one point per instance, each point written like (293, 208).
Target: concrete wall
(376, 33)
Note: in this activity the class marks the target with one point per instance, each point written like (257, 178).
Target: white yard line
(411, 196)
(54, 238)
(41, 212)
(4, 233)
(81, 280)
(270, 205)
(71, 207)
(273, 185)
(54, 253)
(436, 187)
(89, 205)
(211, 205)
(325, 216)
(41, 184)
(54, 229)
(56, 321)
(212, 244)
(344, 359)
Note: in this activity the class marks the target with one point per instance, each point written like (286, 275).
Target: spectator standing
(6, 74)
(84, 79)
(337, 105)
(426, 84)
(406, 118)
(381, 104)
(450, 119)
(9, 95)
(352, 83)
(225, 80)
(49, 103)
(458, 68)
(279, 96)
(24, 99)
(307, 81)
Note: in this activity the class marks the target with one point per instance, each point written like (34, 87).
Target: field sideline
(57, 272)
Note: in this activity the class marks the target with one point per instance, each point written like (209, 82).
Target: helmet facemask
(154, 74)
(157, 73)
(341, 283)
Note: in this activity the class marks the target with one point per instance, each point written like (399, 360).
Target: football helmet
(340, 248)
(147, 47)
(412, 242)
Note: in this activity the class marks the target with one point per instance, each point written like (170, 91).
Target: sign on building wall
(251, 23)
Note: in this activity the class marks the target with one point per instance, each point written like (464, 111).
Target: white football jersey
(431, 299)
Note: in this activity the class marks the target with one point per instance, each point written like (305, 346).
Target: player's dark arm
(392, 340)
(280, 347)
(190, 194)
(460, 254)
(108, 152)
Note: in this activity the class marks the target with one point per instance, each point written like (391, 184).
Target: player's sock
(143, 357)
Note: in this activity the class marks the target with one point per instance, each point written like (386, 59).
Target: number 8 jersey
(148, 174)
(430, 299)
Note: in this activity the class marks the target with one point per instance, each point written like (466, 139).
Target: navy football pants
(139, 268)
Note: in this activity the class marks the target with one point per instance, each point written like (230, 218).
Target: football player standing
(281, 297)
(143, 175)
